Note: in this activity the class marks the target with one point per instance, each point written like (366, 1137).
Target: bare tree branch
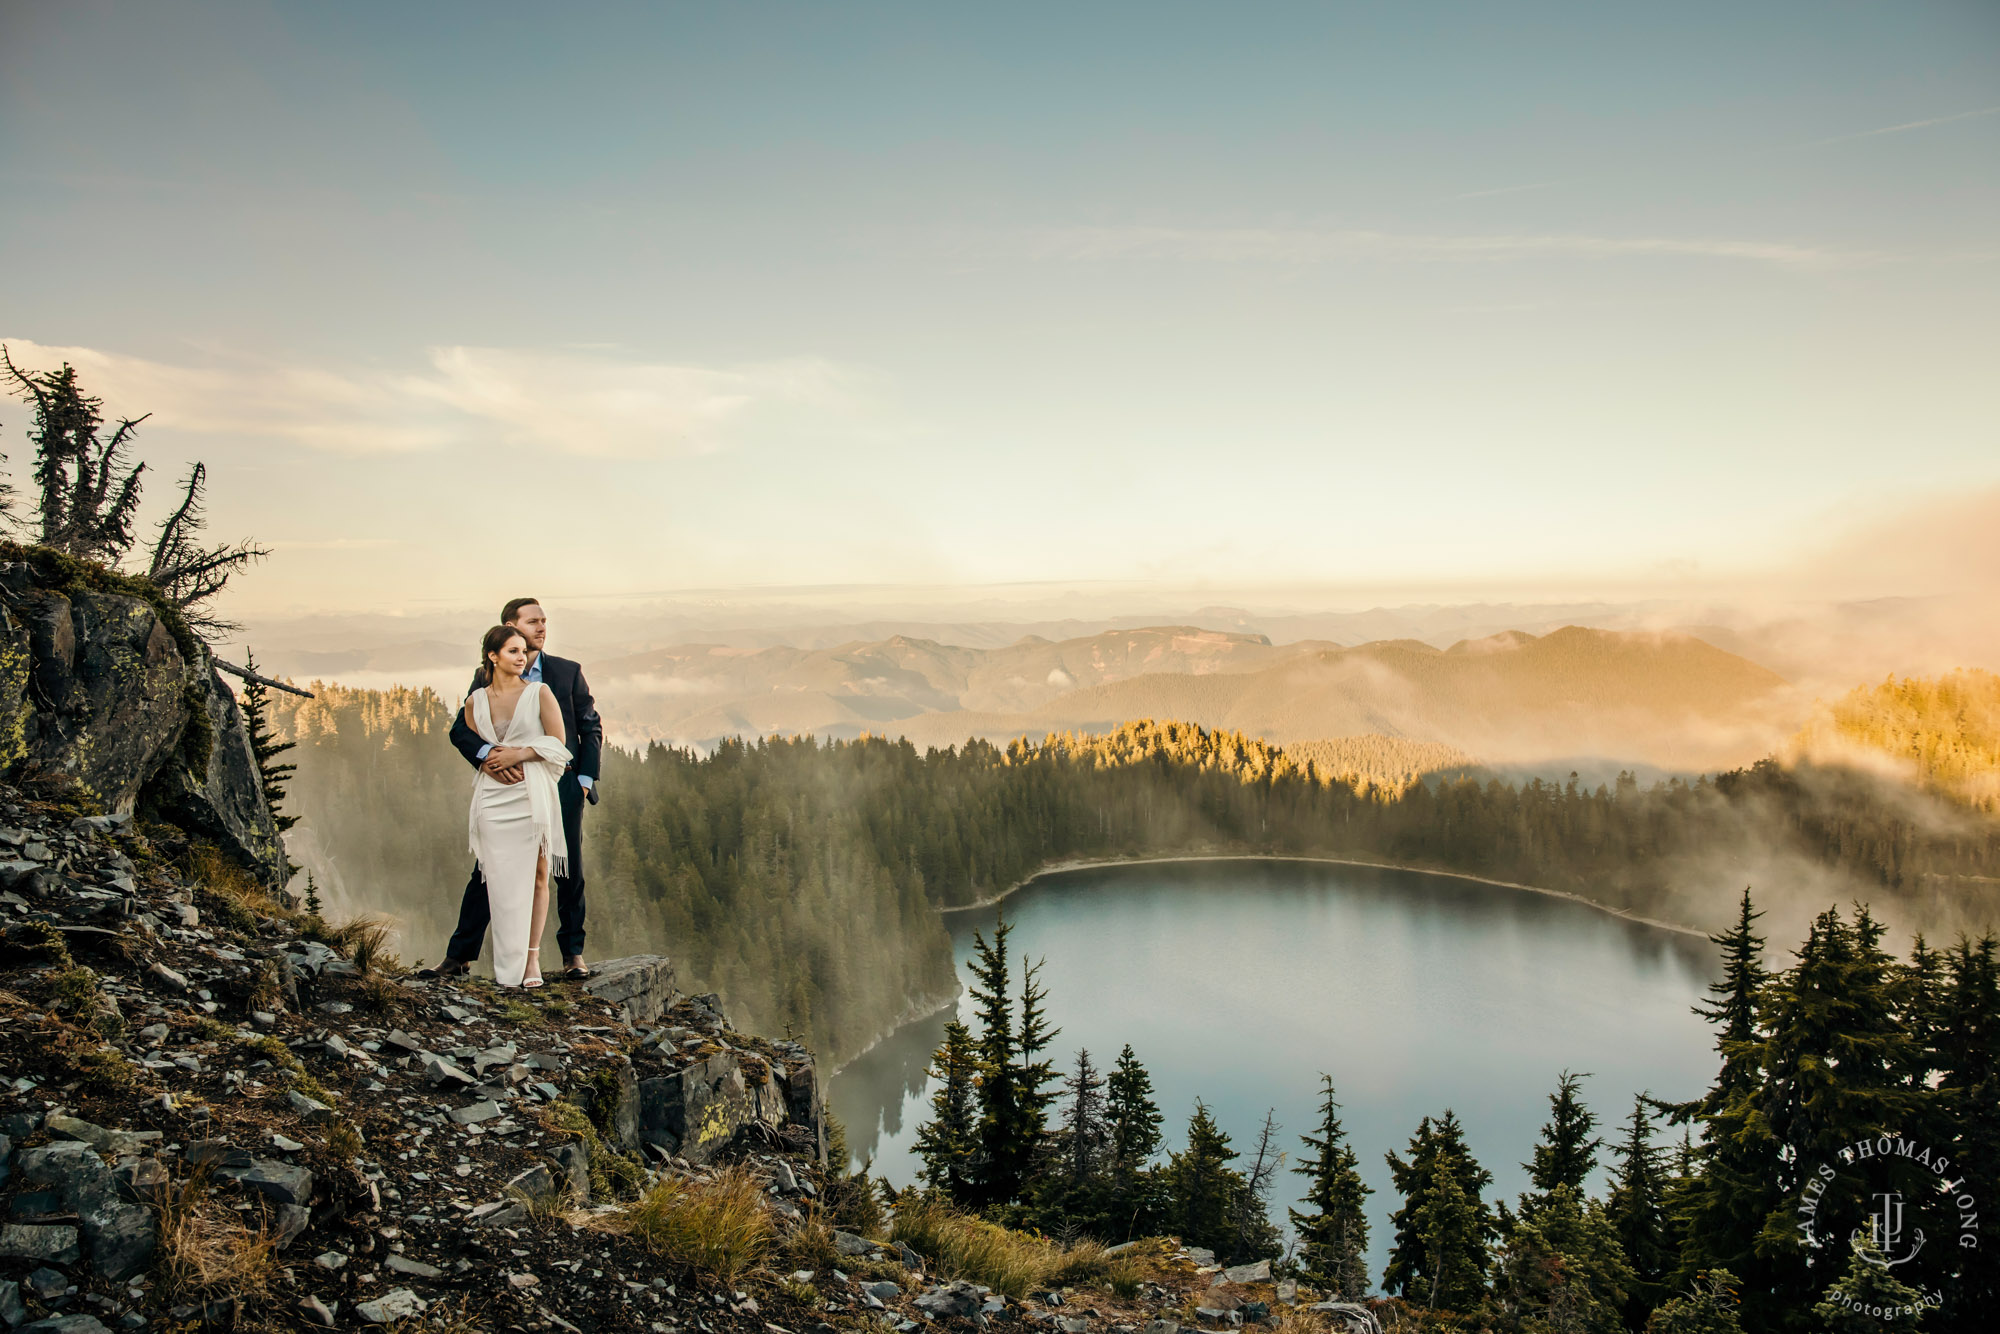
(260, 679)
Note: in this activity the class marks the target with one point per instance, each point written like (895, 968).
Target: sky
(607, 300)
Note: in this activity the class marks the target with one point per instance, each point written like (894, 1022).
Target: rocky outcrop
(104, 689)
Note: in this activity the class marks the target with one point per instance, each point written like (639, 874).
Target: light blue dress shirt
(534, 673)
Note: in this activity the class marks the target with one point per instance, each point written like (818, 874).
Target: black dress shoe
(449, 967)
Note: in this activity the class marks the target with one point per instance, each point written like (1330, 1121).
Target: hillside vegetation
(1944, 732)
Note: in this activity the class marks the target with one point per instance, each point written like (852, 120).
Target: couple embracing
(531, 730)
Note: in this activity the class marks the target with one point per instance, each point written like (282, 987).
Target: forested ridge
(801, 878)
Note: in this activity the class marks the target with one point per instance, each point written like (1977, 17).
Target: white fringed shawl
(525, 729)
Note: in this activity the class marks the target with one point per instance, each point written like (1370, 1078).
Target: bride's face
(511, 658)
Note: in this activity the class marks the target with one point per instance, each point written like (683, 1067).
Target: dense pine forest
(1830, 1178)
(1945, 731)
(801, 878)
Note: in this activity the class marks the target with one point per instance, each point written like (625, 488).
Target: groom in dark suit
(584, 734)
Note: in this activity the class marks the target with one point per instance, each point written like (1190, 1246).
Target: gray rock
(167, 975)
(1200, 1255)
(403, 1264)
(315, 1310)
(1257, 1311)
(398, 1304)
(121, 1236)
(534, 1182)
(12, 1309)
(952, 1299)
(330, 1260)
(65, 1324)
(47, 1283)
(911, 1260)
(1073, 1324)
(477, 1112)
(574, 1160)
(219, 1154)
(642, 983)
(884, 1291)
(847, 1243)
(312, 1109)
(286, 1183)
(53, 1243)
(1259, 1272)
(291, 1221)
(1288, 1290)
(399, 1039)
(437, 1070)
(1161, 1327)
(499, 1213)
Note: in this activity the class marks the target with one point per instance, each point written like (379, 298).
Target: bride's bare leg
(538, 918)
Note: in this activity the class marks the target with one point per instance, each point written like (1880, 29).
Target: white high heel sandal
(533, 976)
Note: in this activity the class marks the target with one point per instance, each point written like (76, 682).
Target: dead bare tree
(89, 496)
(189, 573)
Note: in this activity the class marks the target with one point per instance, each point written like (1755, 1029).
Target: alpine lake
(1239, 982)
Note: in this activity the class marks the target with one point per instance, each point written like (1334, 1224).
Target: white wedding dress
(513, 824)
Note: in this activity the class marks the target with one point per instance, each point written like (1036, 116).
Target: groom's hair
(513, 608)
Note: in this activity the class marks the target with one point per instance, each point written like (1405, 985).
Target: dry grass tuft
(719, 1228)
(363, 941)
(1011, 1263)
(207, 1251)
(227, 891)
(378, 994)
(810, 1244)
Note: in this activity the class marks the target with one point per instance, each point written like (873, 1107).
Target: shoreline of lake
(1094, 863)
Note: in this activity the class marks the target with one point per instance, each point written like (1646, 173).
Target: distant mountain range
(1542, 696)
(1662, 699)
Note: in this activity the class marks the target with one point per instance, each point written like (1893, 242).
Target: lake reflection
(1239, 982)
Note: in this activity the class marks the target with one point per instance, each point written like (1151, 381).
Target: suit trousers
(474, 913)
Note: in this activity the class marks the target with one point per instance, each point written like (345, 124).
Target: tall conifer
(1333, 1230)
(948, 1143)
(1438, 1152)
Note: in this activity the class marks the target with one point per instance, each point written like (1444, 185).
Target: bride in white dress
(516, 828)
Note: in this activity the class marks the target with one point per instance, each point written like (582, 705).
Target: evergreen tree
(265, 747)
(1869, 1299)
(313, 905)
(1709, 1306)
(1438, 1152)
(1637, 1209)
(1968, 1096)
(1734, 1009)
(1070, 1191)
(1205, 1197)
(1568, 1152)
(1449, 1227)
(1835, 1001)
(948, 1143)
(1005, 1145)
(1333, 1230)
(1562, 1269)
(1133, 1203)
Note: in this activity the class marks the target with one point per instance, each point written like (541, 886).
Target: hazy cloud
(575, 402)
(1315, 246)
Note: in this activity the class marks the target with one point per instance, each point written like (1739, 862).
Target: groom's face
(533, 624)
